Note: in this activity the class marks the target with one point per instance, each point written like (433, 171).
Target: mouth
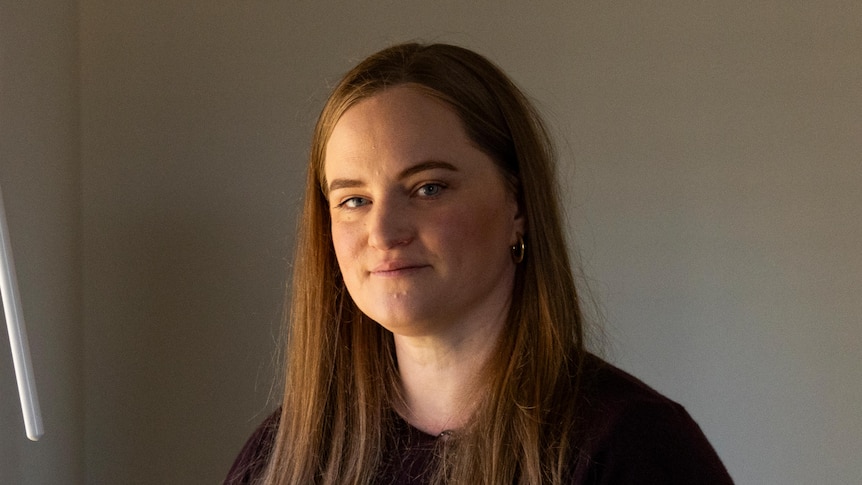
(396, 268)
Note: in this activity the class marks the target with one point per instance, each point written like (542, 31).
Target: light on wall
(18, 334)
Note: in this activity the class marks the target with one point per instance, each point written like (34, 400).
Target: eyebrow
(418, 168)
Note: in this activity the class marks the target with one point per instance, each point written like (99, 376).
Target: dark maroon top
(632, 435)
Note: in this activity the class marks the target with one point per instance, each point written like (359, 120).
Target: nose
(389, 225)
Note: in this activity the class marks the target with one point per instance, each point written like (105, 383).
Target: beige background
(151, 155)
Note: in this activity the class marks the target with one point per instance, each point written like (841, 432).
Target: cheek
(344, 242)
(476, 231)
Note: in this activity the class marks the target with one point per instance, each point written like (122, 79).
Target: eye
(353, 202)
(430, 190)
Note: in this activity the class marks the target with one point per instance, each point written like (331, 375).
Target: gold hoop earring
(519, 250)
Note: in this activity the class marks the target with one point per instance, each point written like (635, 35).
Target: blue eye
(430, 190)
(353, 202)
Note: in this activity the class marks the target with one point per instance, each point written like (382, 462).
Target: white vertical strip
(18, 334)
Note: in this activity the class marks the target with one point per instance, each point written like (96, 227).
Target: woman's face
(422, 221)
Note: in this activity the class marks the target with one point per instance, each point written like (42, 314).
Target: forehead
(401, 119)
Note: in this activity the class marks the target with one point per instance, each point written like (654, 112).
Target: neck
(443, 380)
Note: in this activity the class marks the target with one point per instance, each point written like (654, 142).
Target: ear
(519, 221)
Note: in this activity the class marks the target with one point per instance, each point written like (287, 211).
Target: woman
(435, 334)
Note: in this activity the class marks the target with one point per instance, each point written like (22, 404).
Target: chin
(404, 325)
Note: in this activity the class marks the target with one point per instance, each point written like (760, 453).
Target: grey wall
(711, 156)
(39, 165)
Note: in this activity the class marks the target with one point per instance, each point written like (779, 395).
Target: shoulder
(632, 434)
(252, 459)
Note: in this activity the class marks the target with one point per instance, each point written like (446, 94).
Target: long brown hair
(341, 376)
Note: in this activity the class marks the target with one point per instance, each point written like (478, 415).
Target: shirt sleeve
(656, 442)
